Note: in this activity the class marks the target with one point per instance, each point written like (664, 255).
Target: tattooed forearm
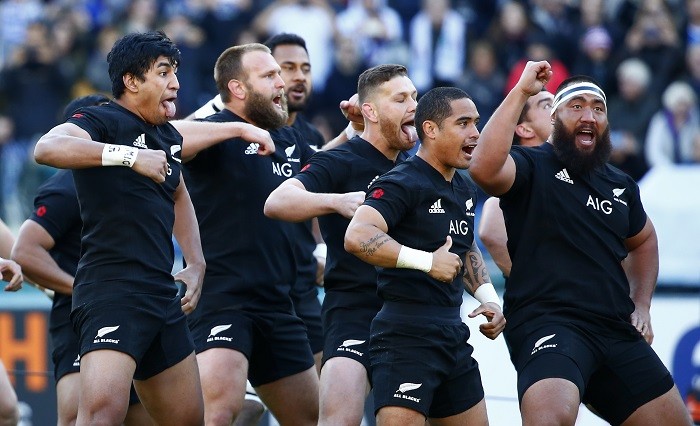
(369, 247)
(475, 271)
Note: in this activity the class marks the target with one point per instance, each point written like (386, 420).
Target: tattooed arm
(367, 238)
(475, 276)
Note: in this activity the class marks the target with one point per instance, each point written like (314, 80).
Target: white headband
(575, 90)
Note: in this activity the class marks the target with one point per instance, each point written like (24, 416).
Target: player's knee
(550, 415)
(250, 414)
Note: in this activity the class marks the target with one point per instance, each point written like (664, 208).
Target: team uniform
(304, 292)
(418, 346)
(566, 237)
(56, 210)
(124, 296)
(350, 285)
(251, 259)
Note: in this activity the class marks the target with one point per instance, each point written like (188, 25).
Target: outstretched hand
(496, 321)
(446, 265)
(535, 76)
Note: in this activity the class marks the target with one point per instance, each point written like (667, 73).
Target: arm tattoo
(475, 271)
(369, 247)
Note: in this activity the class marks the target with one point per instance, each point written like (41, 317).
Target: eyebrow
(545, 101)
(164, 64)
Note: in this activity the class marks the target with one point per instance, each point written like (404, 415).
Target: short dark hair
(83, 101)
(229, 66)
(374, 77)
(435, 106)
(283, 39)
(135, 54)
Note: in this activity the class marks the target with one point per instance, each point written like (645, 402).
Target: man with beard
(585, 263)
(245, 326)
(532, 129)
(289, 50)
(331, 186)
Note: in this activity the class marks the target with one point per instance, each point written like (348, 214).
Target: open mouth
(169, 105)
(409, 129)
(468, 149)
(585, 137)
(277, 100)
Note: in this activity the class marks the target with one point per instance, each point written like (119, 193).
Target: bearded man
(585, 264)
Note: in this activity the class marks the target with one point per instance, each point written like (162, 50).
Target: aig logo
(604, 206)
(283, 169)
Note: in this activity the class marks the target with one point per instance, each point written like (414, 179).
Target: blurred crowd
(644, 53)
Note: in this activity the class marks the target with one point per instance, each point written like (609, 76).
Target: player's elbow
(273, 206)
(351, 242)
(42, 152)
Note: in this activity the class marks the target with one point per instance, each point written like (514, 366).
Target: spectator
(673, 128)
(438, 43)
(377, 28)
(538, 49)
(653, 39)
(596, 48)
(294, 16)
(553, 18)
(483, 79)
(509, 33)
(630, 112)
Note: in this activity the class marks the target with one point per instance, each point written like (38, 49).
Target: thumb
(476, 312)
(448, 243)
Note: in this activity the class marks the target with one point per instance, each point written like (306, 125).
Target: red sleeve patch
(76, 115)
(377, 193)
(305, 167)
(41, 211)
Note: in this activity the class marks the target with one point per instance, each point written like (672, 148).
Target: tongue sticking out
(169, 108)
(410, 131)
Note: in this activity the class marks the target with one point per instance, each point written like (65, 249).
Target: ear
(430, 129)
(524, 131)
(130, 82)
(237, 89)
(369, 112)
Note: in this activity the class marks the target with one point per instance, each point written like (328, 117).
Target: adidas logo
(76, 363)
(252, 149)
(436, 207)
(563, 175)
(140, 141)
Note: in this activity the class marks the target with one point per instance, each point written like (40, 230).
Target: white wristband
(119, 155)
(486, 293)
(410, 258)
(321, 250)
(350, 131)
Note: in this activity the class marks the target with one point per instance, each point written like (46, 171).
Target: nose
(413, 104)
(175, 84)
(279, 83)
(587, 115)
(299, 75)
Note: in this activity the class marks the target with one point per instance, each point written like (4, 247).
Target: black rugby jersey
(421, 209)
(350, 167)
(566, 237)
(127, 218)
(249, 256)
(56, 209)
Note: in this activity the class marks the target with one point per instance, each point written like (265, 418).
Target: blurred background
(644, 53)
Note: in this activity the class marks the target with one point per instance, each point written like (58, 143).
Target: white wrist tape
(350, 132)
(486, 293)
(321, 250)
(119, 155)
(410, 258)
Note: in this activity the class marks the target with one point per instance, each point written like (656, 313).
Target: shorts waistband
(446, 315)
